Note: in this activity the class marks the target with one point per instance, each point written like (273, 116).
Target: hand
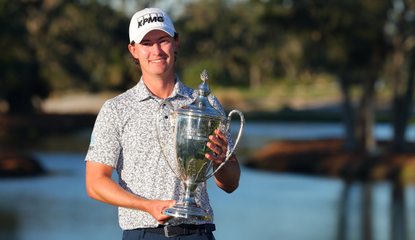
(219, 147)
(156, 208)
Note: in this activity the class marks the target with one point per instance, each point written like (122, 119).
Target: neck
(160, 87)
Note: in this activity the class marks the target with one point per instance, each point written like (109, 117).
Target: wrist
(141, 204)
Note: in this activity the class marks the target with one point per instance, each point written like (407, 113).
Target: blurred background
(326, 88)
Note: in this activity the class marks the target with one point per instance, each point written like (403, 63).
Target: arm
(102, 187)
(227, 178)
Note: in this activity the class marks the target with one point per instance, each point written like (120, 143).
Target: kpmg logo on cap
(149, 18)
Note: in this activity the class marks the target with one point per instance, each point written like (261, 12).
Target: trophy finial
(204, 75)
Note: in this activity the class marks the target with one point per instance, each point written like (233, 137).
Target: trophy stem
(189, 193)
(187, 207)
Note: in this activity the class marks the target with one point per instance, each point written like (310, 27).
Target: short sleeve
(105, 146)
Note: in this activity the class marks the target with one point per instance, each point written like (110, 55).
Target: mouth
(158, 60)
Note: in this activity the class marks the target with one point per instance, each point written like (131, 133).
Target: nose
(157, 49)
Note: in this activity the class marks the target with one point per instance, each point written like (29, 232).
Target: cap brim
(139, 37)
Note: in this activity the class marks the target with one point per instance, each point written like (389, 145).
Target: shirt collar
(180, 90)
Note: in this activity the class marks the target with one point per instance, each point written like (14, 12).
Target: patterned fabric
(125, 137)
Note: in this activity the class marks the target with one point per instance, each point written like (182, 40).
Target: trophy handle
(159, 137)
(225, 130)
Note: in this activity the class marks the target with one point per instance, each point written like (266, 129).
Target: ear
(132, 50)
(176, 44)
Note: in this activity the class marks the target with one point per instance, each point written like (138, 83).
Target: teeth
(158, 60)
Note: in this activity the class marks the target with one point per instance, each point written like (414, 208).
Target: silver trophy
(192, 126)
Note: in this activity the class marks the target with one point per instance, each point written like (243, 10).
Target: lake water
(265, 206)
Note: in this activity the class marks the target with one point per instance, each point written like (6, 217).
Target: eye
(148, 44)
(164, 40)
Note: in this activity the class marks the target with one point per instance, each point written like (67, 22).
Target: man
(124, 138)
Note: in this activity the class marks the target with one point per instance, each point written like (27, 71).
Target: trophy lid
(201, 106)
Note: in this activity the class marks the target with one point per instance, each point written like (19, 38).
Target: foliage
(228, 39)
(59, 45)
(54, 45)
(283, 39)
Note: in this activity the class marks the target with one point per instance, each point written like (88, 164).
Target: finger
(220, 143)
(219, 133)
(222, 136)
(215, 159)
(215, 148)
(164, 219)
(170, 204)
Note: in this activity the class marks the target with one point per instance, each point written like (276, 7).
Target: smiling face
(155, 54)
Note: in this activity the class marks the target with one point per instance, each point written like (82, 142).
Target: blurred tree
(345, 39)
(206, 40)
(400, 31)
(60, 45)
(243, 44)
(53, 45)
(227, 39)
(19, 78)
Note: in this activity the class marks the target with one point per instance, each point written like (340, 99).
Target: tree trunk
(350, 143)
(402, 107)
(20, 100)
(365, 117)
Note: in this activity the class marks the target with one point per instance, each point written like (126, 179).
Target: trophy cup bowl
(192, 126)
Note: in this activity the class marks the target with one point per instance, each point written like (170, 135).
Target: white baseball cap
(147, 20)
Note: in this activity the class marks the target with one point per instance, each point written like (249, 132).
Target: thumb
(172, 203)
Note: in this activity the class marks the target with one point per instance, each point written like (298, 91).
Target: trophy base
(190, 212)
